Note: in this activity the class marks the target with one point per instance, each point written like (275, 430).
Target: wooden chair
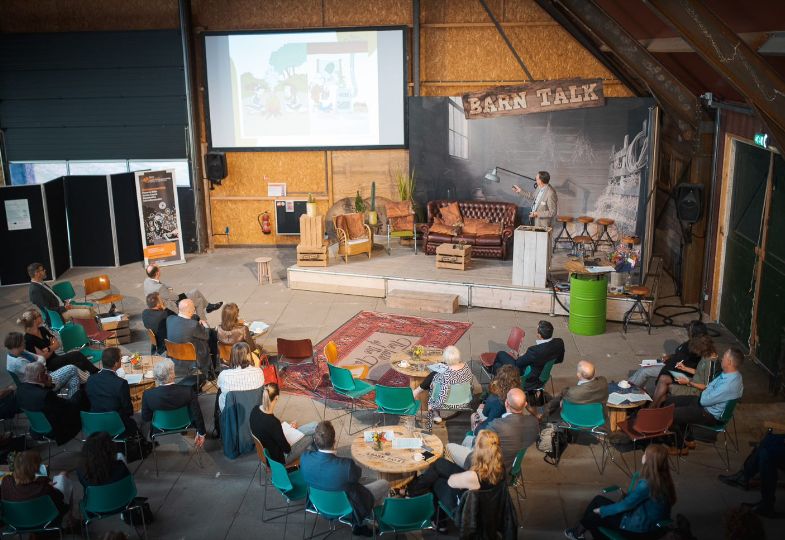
(97, 284)
(185, 352)
(604, 237)
(348, 246)
(638, 292)
(294, 352)
(224, 352)
(564, 236)
(153, 341)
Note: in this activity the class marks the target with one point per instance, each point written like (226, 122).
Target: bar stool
(263, 269)
(631, 241)
(564, 234)
(605, 237)
(639, 292)
(585, 220)
(580, 245)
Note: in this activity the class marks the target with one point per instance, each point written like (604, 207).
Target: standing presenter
(545, 202)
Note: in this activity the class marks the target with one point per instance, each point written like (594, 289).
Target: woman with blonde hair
(39, 340)
(270, 432)
(649, 501)
(438, 384)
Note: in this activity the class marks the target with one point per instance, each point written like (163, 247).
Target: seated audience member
(241, 375)
(668, 385)
(546, 349)
(154, 318)
(152, 283)
(516, 430)
(507, 378)
(185, 328)
(68, 377)
(107, 391)
(708, 408)
(27, 483)
(699, 347)
(8, 407)
(232, 330)
(765, 460)
(590, 389)
(268, 429)
(695, 329)
(448, 481)
(457, 372)
(39, 340)
(324, 470)
(102, 463)
(637, 514)
(43, 297)
(35, 394)
(167, 396)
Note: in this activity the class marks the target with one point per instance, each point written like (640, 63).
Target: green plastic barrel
(588, 304)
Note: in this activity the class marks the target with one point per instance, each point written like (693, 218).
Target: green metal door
(750, 173)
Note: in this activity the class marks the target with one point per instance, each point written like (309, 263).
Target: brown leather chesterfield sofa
(493, 246)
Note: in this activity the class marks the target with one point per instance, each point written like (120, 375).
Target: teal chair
(166, 423)
(587, 418)
(516, 478)
(65, 291)
(109, 500)
(290, 485)
(615, 534)
(14, 377)
(74, 336)
(537, 394)
(41, 429)
(722, 427)
(459, 397)
(404, 515)
(345, 385)
(110, 422)
(55, 320)
(334, 506)
(33, 516)
(396, 400)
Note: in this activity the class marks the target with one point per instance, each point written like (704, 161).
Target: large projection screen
(316, 89)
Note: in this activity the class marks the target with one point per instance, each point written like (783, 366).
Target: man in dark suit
(590, 389)
(168, 396)
(35, 394)
(154, 318)
(42, 296)
(322, 469)
(546, 349)
(516, 430)
(185, 328)
(107, 391)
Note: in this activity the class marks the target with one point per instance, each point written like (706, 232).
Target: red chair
(294, 352)
(93, 331)
(514, 341)
(648, 424)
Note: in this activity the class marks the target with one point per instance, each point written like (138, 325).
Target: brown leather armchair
(489, 246)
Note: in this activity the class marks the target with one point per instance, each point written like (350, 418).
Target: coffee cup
(404, 364)
(624, 384)
(418, 457)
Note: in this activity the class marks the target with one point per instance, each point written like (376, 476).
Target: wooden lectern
(531, 256)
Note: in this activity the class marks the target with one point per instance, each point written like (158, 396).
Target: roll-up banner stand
(159, 217)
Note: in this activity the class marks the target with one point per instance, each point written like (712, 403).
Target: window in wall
(37, 172)
(458, 130)
(181, 174)
(96, 167)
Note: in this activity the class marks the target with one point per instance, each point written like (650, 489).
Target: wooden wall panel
(459, 11)
(525, 11)
(241, 218)
(373, 12)
(253, 14)
(303, 172)
(352, 171)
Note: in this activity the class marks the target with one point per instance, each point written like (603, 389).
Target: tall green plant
(405, 182)
(359, 205)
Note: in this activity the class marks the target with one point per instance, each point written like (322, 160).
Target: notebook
(292, 434)
(258, 327)
(133, 378)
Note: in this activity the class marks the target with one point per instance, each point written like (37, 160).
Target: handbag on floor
(142, 506)
(268, 369)
(552, 441)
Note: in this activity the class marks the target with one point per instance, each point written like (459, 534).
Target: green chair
(65, 291)
(74, 336)
(516, 477)
(42, 429)
(459, 397)
(334, 506)
(345, 385)
(54, 319)
(722, 427)
(587, 418)
(110, 422)
(405, 515)
(290, 485)
(165, 423)
(614, 534)
(109, 500)
(537, 394)
(36, 515)
(396, 400)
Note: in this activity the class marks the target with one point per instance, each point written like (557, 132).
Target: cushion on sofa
(489, 228)
(439, 227)
(451, 214)
(470, 225)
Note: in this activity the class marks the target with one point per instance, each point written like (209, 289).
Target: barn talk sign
(534, 97)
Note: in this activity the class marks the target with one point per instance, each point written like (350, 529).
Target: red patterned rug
(366, 343)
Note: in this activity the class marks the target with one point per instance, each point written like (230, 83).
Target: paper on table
(116, 318)
(599, 269)
(407, 442)
(634, 398)
(368, 435)
(616, 398)
(651, 362)
(258, 327)
(438, 368)
(133, 378)
(292, 434)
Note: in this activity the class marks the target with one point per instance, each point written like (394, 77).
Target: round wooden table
(417, 370)
(397, 466)
(147, 363)
(619, 413)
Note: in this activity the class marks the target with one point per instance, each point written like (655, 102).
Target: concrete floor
(212, 497)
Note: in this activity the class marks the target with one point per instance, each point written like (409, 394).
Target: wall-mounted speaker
(689, 202)
(215, 166)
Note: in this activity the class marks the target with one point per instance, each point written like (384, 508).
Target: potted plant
(373, 216)
(405, 183)
(359, 205)
(310, 206)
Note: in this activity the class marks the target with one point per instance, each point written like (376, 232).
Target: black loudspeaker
(689, 202)
(215, 165)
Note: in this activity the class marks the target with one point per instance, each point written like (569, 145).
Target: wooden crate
(312, 256)
(109, 323)
(311, 231)
(119, 336)
(453, 256)
(531, 257)
(423, 301)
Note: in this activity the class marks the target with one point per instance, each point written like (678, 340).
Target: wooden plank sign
(541, 96)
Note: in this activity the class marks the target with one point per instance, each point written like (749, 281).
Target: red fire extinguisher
(264, 222)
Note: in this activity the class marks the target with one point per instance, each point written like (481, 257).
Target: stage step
(423, 301)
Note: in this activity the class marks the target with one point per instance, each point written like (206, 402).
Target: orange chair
(153, 341)
(359, 371)
(224, 352)
(98, 284)
(331, 353)
(514, 341)
(185, 352)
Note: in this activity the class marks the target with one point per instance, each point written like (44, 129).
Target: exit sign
(762, 140)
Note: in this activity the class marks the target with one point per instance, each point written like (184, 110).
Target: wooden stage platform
(488, 283)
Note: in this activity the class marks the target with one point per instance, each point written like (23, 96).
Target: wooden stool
(605, 237)
(564, 234)
(585, 220)
(631, 241)
(263, 269)
(580, 245)
(639, 292)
